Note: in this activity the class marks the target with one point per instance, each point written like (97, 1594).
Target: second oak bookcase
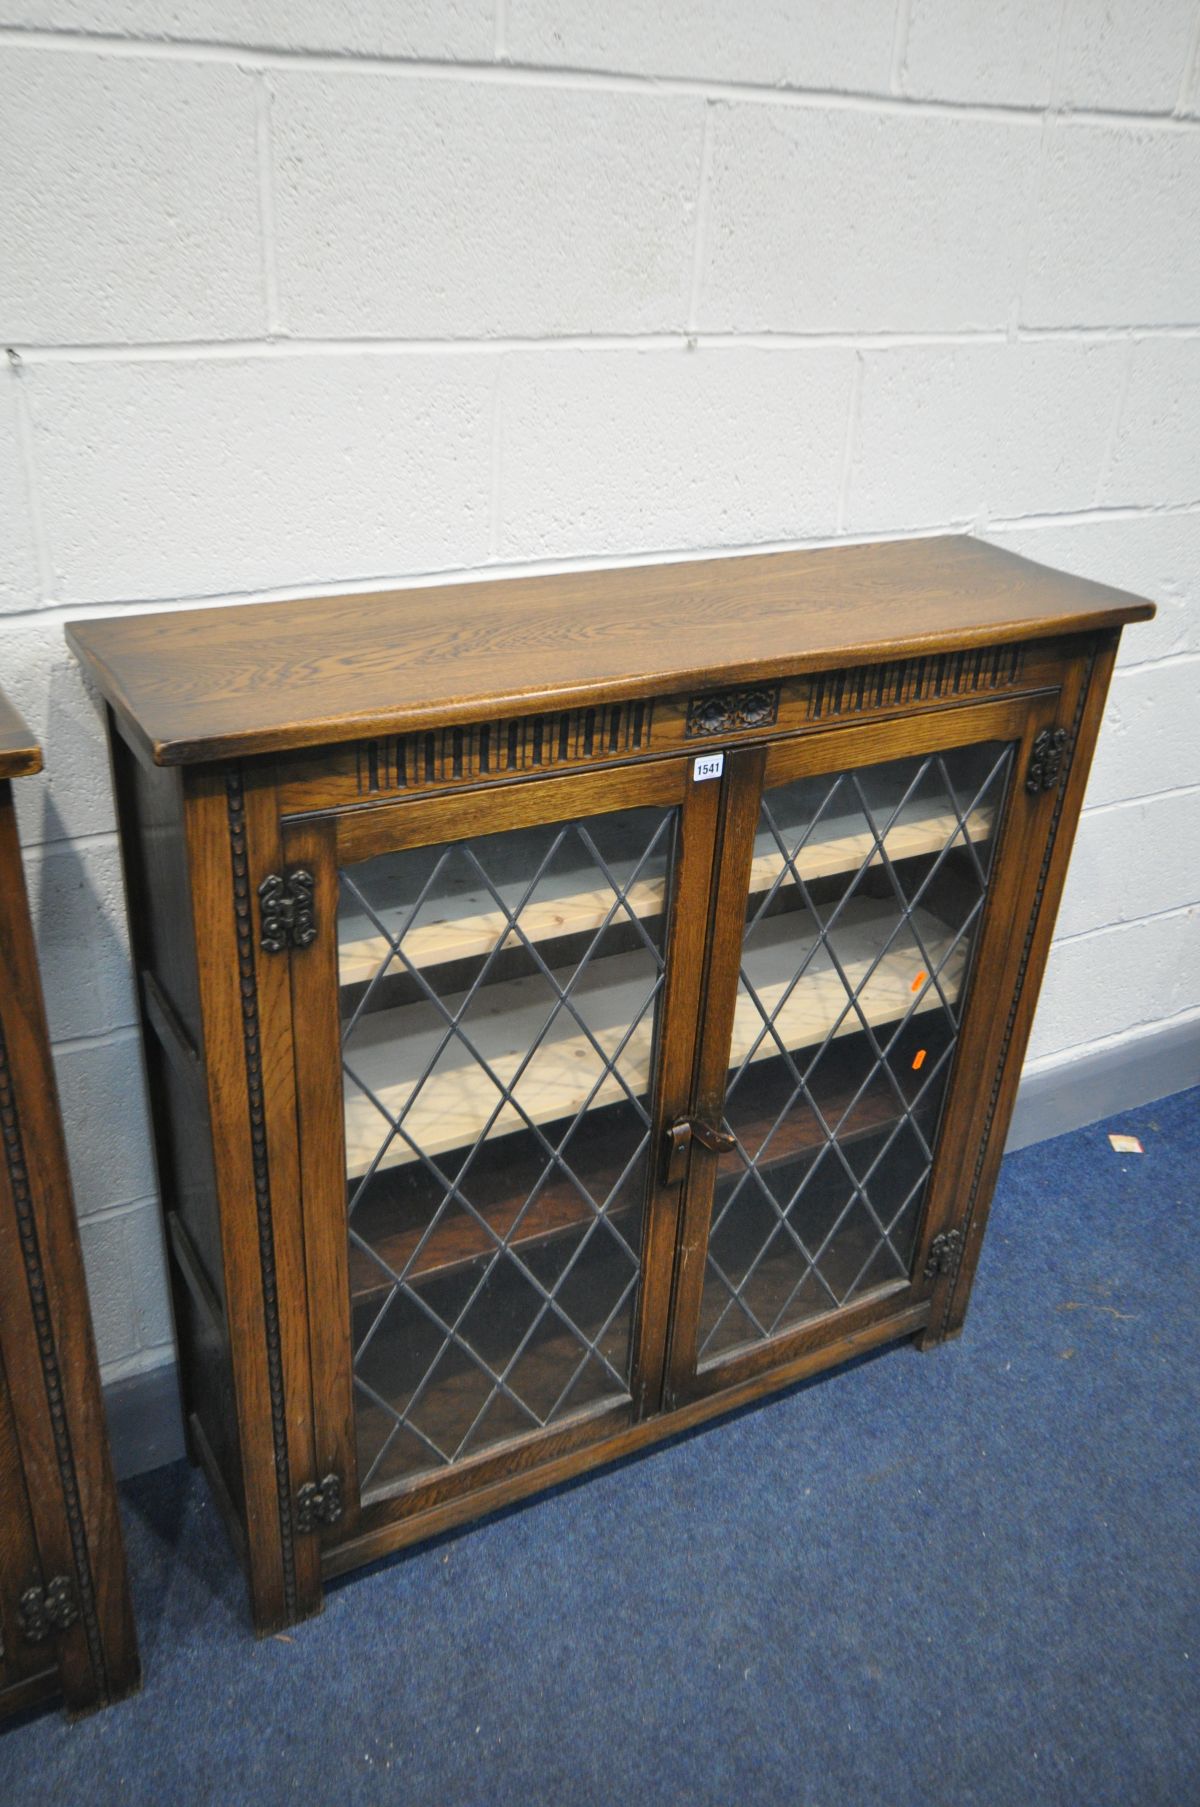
(66, 1618)
(576, 1006)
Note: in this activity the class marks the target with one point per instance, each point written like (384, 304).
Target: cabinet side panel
(158, 895)
(186, 1177)
(211, 1403)
(158, 892)
(156, 873)
(975, 1156)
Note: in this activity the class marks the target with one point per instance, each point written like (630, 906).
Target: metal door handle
(679, 1139)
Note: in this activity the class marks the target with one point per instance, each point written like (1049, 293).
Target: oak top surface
(20, 753)
(212, 683)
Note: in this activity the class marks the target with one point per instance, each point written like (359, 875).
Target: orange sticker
(919, 981)
(918, 1060)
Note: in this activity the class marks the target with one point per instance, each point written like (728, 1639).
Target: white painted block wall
(313, 294)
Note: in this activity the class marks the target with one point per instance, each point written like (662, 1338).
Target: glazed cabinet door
(495, 1019)
(856, 904)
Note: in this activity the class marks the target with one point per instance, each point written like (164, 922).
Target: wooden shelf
(560, 907)
(394, 1223)
(451, 1400)
(396, 1212)
(458, 1099)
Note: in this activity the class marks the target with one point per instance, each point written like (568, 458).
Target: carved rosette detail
(45, 1610)
(82, 1589)
(256, 1104)
(944, 1252)
(732, 711)
(319, 1503)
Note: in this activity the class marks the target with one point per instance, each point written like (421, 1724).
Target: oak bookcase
(66, 1624)
(576, 1006)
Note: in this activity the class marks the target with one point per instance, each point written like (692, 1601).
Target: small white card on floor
(1127, 1145)
(711, 766)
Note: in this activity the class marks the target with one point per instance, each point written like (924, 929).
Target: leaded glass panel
(499, 1005)
(867, 890)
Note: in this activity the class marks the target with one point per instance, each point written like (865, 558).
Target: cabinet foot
(929, 1339)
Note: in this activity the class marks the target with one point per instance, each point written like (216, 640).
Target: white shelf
(391, 1049)
(561, 907)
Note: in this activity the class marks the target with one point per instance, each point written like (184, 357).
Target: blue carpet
(969, 1577)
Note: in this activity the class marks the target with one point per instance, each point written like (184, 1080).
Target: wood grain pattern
(365, 772)
(47, 1348)
(1029, 895)
(317, 1055)
(213, 683)
(430, 821)
(386, 712)
(741, 792)
(248, 1080)
(19, 1566)
(679, 1031)
(265, 990)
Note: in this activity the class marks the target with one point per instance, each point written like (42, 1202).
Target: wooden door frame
(1030, 873)
(323, 843)
(749, 774)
